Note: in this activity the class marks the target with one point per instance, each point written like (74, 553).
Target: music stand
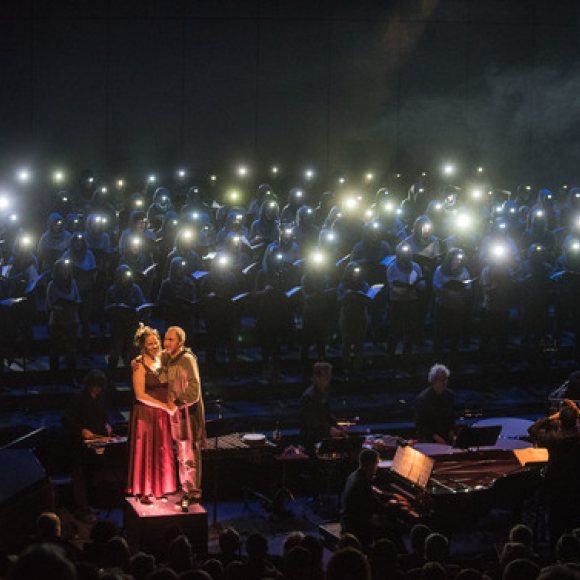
(477, 437)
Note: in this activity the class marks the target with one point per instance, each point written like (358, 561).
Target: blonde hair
(142, 333)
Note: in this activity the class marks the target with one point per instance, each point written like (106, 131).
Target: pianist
(362, 513)
(434, 409)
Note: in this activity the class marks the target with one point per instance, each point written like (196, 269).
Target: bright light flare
(449, 169)
(242, 171)
(499, 251)
(23, 176)
(309, 174)
(223, 261)
(317, 258)
(152, 178)
(463, 221)
(350, 203)
(58, 176)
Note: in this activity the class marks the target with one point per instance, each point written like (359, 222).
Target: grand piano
(457, 488)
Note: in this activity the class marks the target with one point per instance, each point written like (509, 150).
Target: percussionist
(434, 409)
(85, 419)
(316, 419)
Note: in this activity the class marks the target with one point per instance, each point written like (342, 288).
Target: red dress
(151, 458)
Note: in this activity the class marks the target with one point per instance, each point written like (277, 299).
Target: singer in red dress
(151, 460)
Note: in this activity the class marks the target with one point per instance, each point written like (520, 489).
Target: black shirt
(316, 418)
(84, 412)
(358, 505)
(434, 414)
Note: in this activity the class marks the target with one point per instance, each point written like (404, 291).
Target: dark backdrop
(346, 86)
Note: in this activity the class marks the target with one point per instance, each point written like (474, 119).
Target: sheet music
(413, 466)
(531, 455)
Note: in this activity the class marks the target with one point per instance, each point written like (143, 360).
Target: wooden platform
(147, 524)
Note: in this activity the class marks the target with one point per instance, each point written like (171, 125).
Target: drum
(254, 439)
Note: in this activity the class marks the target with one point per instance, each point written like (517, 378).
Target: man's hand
(136, 362)
(87, 434)
(108, 430)
(337, 432)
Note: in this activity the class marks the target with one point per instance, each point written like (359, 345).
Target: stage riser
(146, 526)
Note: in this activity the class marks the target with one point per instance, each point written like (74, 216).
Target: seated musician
(362, 513)
(85, 419)
(316, 419)
(434, 409)
(560, 435)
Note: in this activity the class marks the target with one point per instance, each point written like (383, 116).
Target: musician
(434, 409)
(360, 508)
(317, 421)
(85, 418)
(405, 284)
(452, 288)
(353, 314)
(53, 242)
(123, 322)
(559, 434)
(62, 300)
